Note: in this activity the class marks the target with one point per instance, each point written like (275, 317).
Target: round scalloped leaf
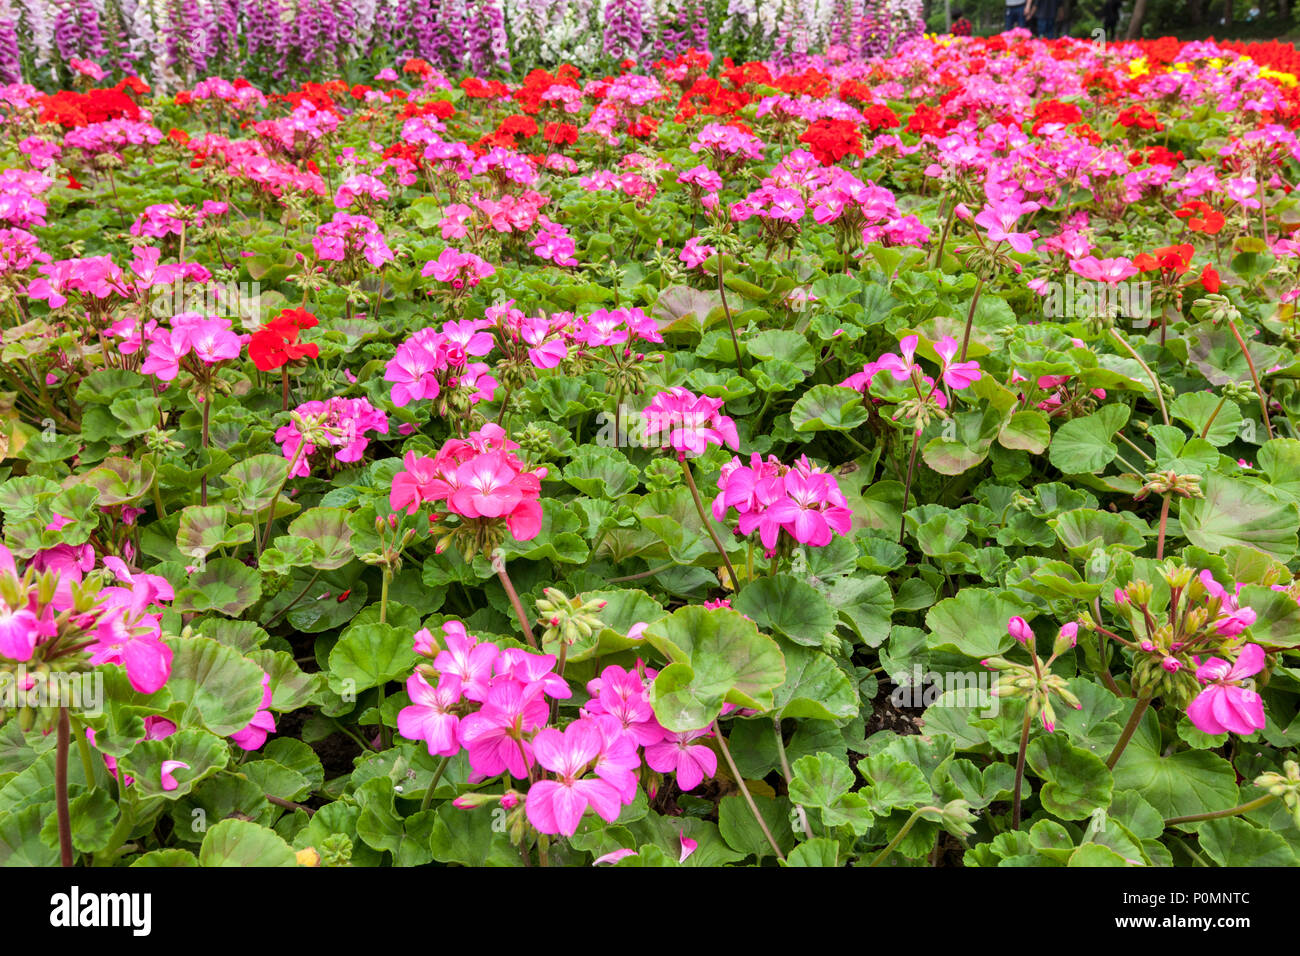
(717, 656)
(243, 843)
(213, 686)
(329, 532)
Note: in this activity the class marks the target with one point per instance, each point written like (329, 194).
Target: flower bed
(882, 462)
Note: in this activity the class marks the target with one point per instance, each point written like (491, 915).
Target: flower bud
(1019, 628)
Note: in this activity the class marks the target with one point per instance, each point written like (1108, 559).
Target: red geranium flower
(1201, 218)
(276, 343)
(832, 139)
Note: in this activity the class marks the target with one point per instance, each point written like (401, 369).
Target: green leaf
(788, 606)
(1179, 785)
(894, 784)
(1026, 431)
(216, 687)
(1198, 409)
(243, 843)
(814, 687)
(328, 531)
(974, 622)
(828, 408)
(864, 603)
(166, 858)
(819, 851)
(718, 656)
(202, 753)
(1077, 780)
(741, 831)
(256, 481)
(1094, 854)
(819, 780)
(368, 655)
(1234, 512)
(469, 838)
(226, 585)
(20, 840)
(203, 530)
(1231, 841)
(92, 816)
(1082, 445)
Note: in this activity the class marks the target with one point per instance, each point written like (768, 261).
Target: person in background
(1046, 11)
(961, 27)
(1110, 17)
(1015, 14)
(1041, 18)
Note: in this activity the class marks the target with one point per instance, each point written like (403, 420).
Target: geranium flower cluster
(492, 703)
(203, 340)
(954, 374)
(276, 344)
(538, 341)
(478, 478)
(171, 219)
(1170, 646)
(689, 423)
(769, 497)
(351, 239)
(431, 362)
(615, 327)
(52, 614)
(459, 270)
(339, 423)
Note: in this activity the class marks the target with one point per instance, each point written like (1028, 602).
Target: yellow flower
(1286, 79)
(308, 857)
(1138, 67)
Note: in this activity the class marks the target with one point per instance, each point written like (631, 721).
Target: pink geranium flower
(676, 754)
(495, 734)
(254, 735)
(429, 716)
(557, 806)
(1225, 706)
(692, 422)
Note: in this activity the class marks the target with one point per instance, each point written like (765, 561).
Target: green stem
(284, 610)
(731, 325)
(1218, 814)
(61, 789)
(744, 791)
(433, 784)
(203, 481)
(907, 487)
(970, 318)
(125, 820)
(516, 604)
(1164, 521)
(1020, 767)
(708, 525)
(83, 747)
(157, 492)
(266, 535)
(1213, 415)
(1155, 381)
(644, 574)
(898, 838)
(785, 771)
(943, 239)
(1254, 377)
(1134, 719)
